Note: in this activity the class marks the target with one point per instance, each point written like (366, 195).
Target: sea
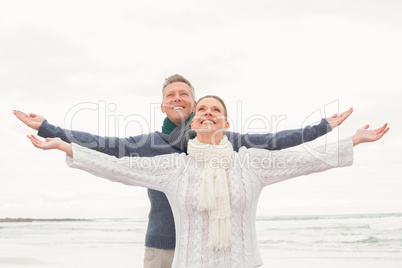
(365, 240)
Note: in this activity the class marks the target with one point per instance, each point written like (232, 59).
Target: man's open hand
(32, 120)
(336, 120)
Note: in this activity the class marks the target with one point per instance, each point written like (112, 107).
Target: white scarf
(213, 193)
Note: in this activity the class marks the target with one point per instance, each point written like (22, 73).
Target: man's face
(177, 102)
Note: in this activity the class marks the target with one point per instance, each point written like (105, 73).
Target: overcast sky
(98, 66)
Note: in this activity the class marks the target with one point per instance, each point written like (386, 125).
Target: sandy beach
(131, 256)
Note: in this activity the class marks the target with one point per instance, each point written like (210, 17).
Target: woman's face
(209, 117)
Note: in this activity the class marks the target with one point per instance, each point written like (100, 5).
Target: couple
(213, 192)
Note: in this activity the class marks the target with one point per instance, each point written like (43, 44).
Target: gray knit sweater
(161, 229)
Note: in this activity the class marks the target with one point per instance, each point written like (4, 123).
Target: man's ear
(195, 104)
(163, 108)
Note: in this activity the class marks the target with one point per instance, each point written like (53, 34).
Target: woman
(213, 191)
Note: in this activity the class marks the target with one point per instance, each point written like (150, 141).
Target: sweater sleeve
(272, 167)
(280, 140)
(149, 172)
(118, 147)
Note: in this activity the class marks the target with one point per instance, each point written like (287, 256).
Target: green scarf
(178, 136)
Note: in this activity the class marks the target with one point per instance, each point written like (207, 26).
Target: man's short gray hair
(177, 78)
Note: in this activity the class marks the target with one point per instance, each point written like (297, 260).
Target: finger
(346, 114)
(48, 139)
(17, 112)
(38, 144)
(32, 115)
(367, 126)
(381, 128)
(342, 117)
(334, 116)
(33, 141)
(20, 115)
(382, 133)
(35, 138)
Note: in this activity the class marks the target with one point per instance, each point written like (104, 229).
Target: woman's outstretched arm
(150, 172)
(55, 143)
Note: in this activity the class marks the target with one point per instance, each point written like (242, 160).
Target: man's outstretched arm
(108, 145)
(288, 138)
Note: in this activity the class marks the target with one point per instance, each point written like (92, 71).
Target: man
(178, 102)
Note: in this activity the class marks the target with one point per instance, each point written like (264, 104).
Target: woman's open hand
(45, 145)
(49, 143)
(365, 135)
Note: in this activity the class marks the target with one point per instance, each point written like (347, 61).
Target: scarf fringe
(219, 233)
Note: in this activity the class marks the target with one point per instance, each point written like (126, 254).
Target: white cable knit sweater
(177, 175)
